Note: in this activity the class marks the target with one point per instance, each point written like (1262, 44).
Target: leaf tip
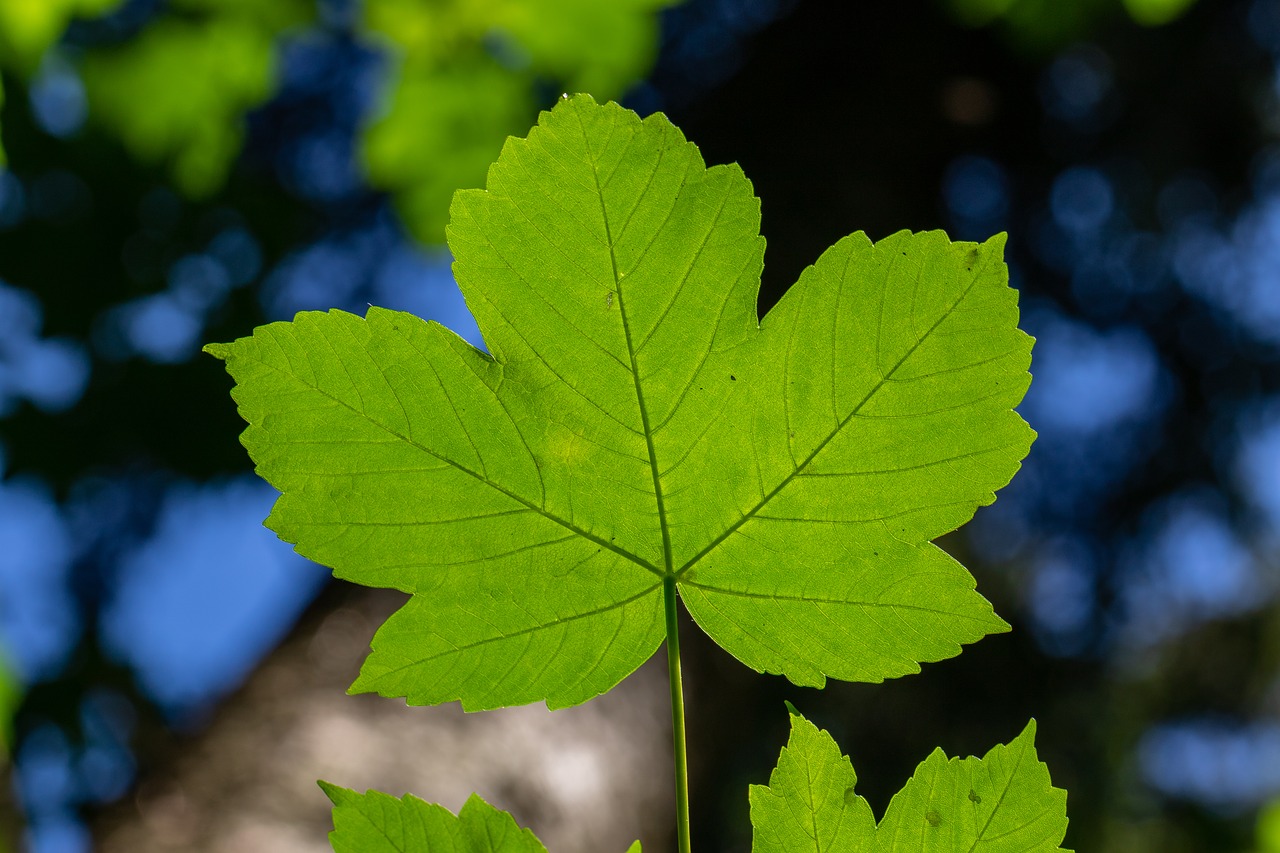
(360, 685)
(997, 241)
(1028, 731)
(219, 351)
(791, 709)
(336, 793)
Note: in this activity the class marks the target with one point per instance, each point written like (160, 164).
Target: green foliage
(177, 93)
(810, 802)
(1153, 13)
(375, 822)
(1001, 803)
(583, 44)
(441, 131)
(469, 74)
(636, 433)
(636, 424)
(1043, 25)
(1268, 828)
(30, 27)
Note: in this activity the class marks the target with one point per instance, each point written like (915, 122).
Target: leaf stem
(677, 714)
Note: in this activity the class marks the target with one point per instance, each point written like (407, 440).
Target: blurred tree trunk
(586, 780)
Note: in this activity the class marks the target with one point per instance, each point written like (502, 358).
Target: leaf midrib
(667, 559)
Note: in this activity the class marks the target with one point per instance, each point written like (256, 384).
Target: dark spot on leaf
(732, 378)
(974, 797)
(875, 553)
(933, 817)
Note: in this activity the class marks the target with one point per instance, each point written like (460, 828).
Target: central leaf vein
(635, 369)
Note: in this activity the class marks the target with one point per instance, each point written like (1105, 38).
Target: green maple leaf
(810, 802)
(635, 432)
(1001, 803)
(374, 822)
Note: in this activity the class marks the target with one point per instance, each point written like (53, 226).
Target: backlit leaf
(633, 427)
(810, 803)
(374, 822)
(1001, 803)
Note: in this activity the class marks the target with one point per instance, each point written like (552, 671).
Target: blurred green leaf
(585, 45)
(1153, 13)
(30, 27)
(1047, 25)
(469, 74)
(177, 93)
(274, 16)
(443, 130)
(1268, 830)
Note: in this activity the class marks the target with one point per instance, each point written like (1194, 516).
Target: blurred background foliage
(182, 170)
(177, 92)
(470, 73)
(1042, 25)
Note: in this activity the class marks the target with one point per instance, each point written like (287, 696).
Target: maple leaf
(635, 433)
(1001, 803)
